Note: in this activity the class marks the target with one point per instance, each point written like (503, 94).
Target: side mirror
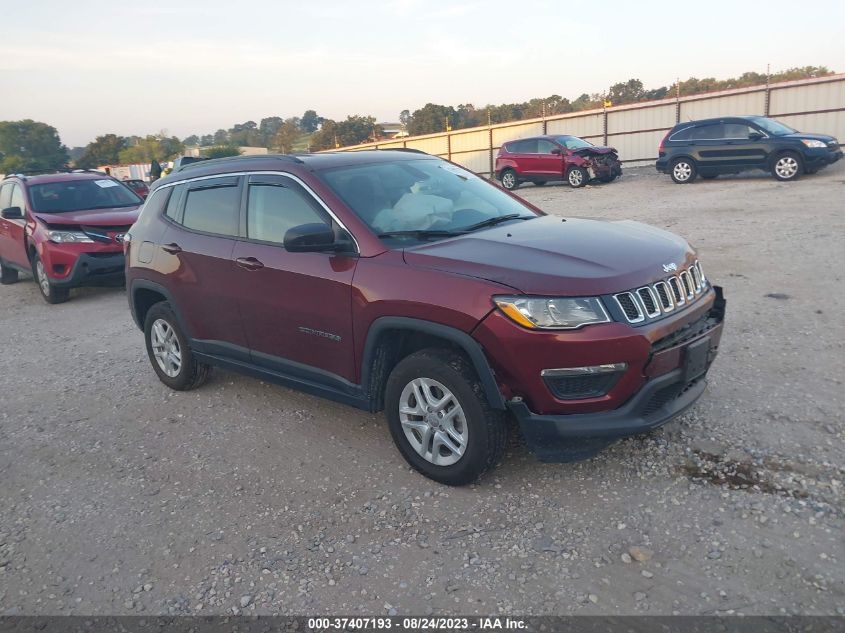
(557, 151)
(12, 213)
(310, 238)
(755, 136)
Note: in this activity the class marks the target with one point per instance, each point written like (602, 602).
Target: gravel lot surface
(120, 496)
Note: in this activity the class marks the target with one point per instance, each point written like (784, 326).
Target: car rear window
(681, 135)
(81, 195)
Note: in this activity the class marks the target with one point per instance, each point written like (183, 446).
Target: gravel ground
(120, 496)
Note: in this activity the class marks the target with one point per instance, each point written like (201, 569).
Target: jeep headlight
(813, 143)
(553, 313)
(68, 237)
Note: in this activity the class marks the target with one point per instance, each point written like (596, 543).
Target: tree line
(32, 146)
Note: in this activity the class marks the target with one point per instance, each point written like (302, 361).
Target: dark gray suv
(729, 145)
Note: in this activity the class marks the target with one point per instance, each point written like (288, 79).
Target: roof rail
(47, 172)
(234, 159)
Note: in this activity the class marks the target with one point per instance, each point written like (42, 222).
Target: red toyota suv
(397, 281)
(555, 157)
(65, 228)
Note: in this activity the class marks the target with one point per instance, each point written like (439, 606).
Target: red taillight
(662, 141)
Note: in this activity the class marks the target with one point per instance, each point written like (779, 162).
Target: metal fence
(635, 130)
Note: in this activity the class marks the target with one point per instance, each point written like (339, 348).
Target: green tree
(245, 134)
(629, 91)
(431, 118)
(191, 140)
(310, 121)
(287, 136)
(151, 147)
(30, 146)
(104, 150)
(221, 137)
(268, 128)
(405, 119)
(221, 151)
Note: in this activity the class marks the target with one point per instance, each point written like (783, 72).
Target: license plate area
(696, 358)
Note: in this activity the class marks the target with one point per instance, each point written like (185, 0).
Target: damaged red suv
(66, 229)
(555, 157)
(393, 280)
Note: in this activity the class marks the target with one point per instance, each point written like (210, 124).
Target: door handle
(249, 263)
(173, 249)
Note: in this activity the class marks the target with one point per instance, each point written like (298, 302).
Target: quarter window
(274, 209)
(17, 198)
(212, 210)
(6, 195)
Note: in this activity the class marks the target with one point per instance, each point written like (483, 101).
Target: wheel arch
(390, 339)
(143, 295)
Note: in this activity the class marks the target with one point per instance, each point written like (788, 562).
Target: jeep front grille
(663, 296)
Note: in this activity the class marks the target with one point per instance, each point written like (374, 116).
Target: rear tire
(683, 171)
(52, 294)
(169, 351)
(509, 179)
(576, 177)
(451, 423)
(787, 166)
(7, 275)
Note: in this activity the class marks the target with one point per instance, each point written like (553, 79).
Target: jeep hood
(119, 216)
(552, 256)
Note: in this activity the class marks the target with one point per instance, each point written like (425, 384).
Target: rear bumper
(659, 400)
(94, 270)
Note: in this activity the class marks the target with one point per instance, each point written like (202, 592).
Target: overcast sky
(191, 67)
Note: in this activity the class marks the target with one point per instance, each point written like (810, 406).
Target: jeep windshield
(422, 199)
(81, 195)
(775, 128)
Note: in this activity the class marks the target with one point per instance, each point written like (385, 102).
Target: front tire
(787, 166)
(169, 351)
(440, 419)
(52, 294)
(683, 171)
(576, 177)
(509, 179)
(7, 275)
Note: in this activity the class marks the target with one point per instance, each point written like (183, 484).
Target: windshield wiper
(497, 220)
(420, 233)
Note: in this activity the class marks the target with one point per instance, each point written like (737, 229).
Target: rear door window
(682, 135)
(213, 207)
(711, 132)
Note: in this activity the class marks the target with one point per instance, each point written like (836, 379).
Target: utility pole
(766, 105)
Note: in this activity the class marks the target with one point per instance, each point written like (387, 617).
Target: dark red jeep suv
(397, 281)
(65, 228)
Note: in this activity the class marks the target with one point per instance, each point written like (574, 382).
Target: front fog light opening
(578, 383)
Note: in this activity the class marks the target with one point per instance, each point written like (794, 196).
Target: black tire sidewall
(7, 275)
(584, 176)
(57, 295)
(689, 162)
(474, 460)
(515, 179)
(184, 378)
(798, 171)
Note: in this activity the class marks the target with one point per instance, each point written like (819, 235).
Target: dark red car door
(12, 232)
(296, 307)
(196, 258)
(548, 163)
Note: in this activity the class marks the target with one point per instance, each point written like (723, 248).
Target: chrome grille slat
(665, 296)
(649, 301)
(630, 307)
(662, 296)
